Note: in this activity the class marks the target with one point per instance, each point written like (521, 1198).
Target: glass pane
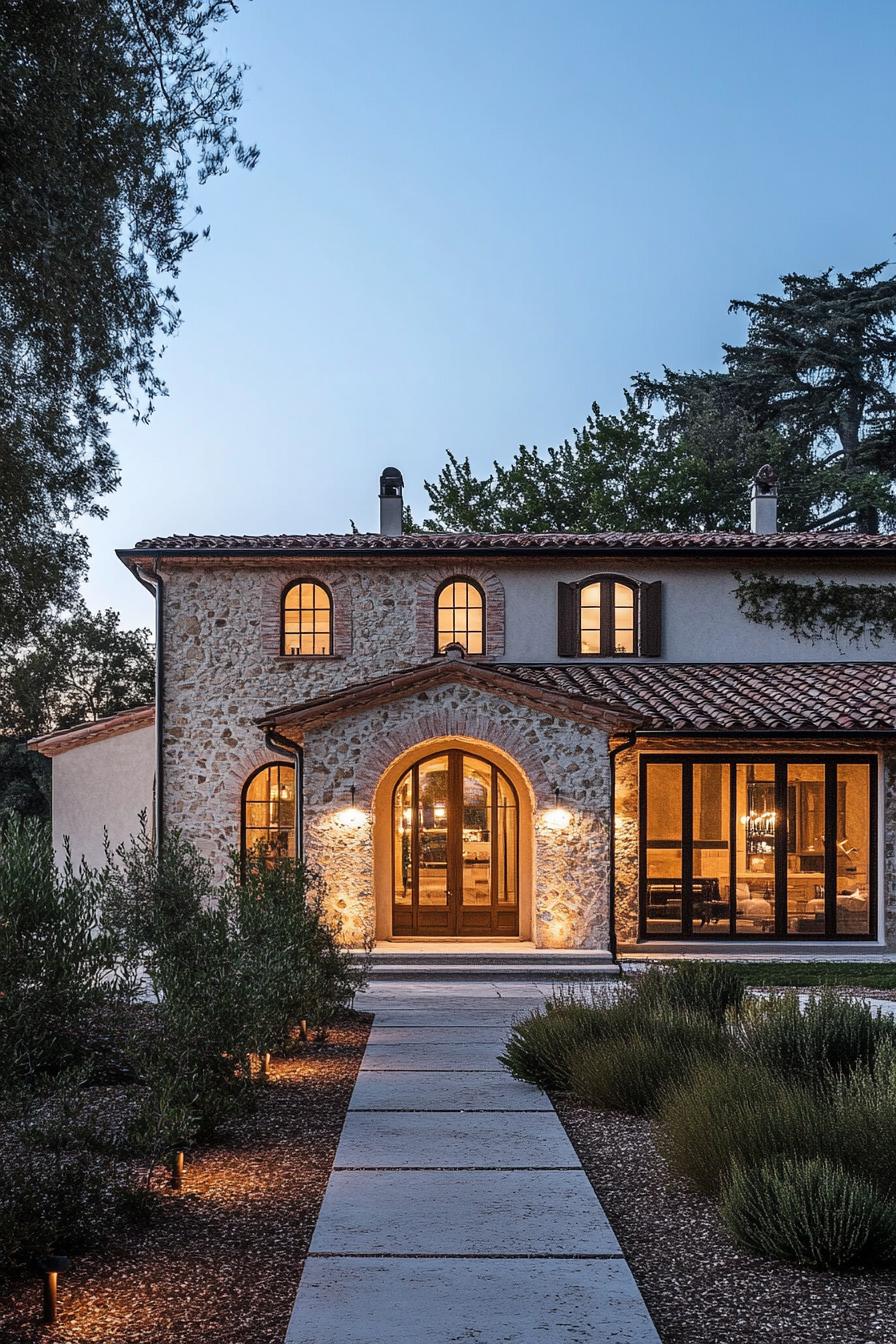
(507, 843)
(711, 848)
(805, 848)
(476, 839)
(623, 618)
(459, 617)
(269, 812)
(663, 847)
(403, 822)
(589, 618)
(853, 848)
(432, 835)
(757, 820)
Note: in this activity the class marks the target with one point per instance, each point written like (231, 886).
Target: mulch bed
(223, 1258)
(698, 1287)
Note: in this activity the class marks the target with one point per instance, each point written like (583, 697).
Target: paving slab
(479, 1213)
(396, 1090)
(516, 1301)
(437, 1017)
(452, 1054)
(453, 1139)
(488, 1033)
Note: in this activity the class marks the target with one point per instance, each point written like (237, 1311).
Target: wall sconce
(557, 818)
(351, 817)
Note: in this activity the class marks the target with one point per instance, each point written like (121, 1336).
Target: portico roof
(755, 698)
(412, 680)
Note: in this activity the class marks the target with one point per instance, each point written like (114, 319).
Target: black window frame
(297, 583)
(244, 792)
(780, 760)
(472, 583)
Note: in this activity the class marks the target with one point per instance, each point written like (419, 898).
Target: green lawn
(805, 974)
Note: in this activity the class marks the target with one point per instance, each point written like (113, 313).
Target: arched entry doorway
(455, 848)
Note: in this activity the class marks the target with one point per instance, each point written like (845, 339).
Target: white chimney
(391, 503)
(764, 500)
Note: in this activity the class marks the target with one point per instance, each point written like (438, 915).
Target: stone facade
(627, 775)
(223, 670)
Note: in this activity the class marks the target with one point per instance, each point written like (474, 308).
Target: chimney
(391, 503)
(764, 500)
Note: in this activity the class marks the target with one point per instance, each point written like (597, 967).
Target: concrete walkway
(457, 1209)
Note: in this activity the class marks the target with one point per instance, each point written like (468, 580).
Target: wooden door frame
(454, 846)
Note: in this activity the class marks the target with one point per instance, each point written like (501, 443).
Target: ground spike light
(51, 1266)
(177, 1170)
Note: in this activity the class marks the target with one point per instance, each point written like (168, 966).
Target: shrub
(709, 988)
(732, 1109)
(543, 1046)
(631, 1072)
(861, 1128)
(829, 1037)
(53, 962)
(808, 1209)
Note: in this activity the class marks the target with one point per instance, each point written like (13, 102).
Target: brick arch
(491, 586)
(270, 593)
(417, 730)
(233, 781)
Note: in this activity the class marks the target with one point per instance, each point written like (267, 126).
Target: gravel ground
(698, 1287)
(223, 1259)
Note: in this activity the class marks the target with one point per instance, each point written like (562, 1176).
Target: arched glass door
(455, 848)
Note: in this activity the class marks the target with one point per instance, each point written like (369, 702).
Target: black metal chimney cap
(391, 482)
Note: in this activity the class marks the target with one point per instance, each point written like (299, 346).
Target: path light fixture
(557, 818)
(351, 817)
(51, 1266)
(177, 1170)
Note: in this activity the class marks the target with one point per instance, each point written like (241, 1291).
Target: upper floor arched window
(460, 615)
(608, 616)
(268, 822)
(307, 620)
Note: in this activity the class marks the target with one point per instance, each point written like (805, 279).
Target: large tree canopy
(79, 668)
(811, 390)
(111, 113)
(626, 472)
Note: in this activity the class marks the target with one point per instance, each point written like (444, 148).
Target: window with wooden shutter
(608, 616)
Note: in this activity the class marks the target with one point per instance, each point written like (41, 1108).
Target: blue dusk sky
(471, 220)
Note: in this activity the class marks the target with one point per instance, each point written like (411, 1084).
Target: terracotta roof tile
(755, 697)
(424, 543)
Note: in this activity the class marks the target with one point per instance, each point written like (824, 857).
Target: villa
(574, 741)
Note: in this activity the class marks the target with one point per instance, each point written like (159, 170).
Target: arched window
(269, 813)
(608, 616)
(608, 610)
(307, 622)
(460, 615)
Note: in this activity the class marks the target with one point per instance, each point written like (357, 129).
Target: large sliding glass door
(763, 848)
(455, 849)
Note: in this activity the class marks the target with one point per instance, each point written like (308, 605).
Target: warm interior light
(557, 818)
(439, 812)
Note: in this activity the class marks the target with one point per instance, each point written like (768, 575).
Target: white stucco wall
(105, 784)
(701, 619)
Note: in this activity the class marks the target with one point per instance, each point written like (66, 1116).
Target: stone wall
(571, 866)
(222, 671)
(626, 824)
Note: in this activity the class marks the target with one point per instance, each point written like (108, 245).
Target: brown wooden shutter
(567, 620)
(651, 620)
